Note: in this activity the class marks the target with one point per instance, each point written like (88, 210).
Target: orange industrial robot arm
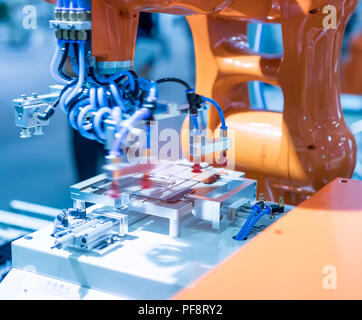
(293, 153)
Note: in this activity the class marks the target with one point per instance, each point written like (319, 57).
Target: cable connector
(277, 208)
(194, 100)
(47, 114)
(224, 135)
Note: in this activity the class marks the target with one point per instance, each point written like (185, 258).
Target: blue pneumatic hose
(254, 211)
(81, 76)
(219, 110)
(253, 218)
(195, 121)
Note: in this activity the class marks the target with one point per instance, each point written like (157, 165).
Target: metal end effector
(29, 111)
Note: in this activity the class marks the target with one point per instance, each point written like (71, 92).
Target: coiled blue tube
(97, 122)
(116, 96)
(129, 75)
(64, 97)
(101, 96)
(82, 128)
(77, 115)
(73, 114)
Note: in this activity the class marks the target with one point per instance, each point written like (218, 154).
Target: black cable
(80, 96)
(63, 61)
(101, 83)
(77, 98)
(137, 85)
(93, 76)
(128, 94)
(76, 53)
(176, 80)
(49, 112)
(194, 99)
